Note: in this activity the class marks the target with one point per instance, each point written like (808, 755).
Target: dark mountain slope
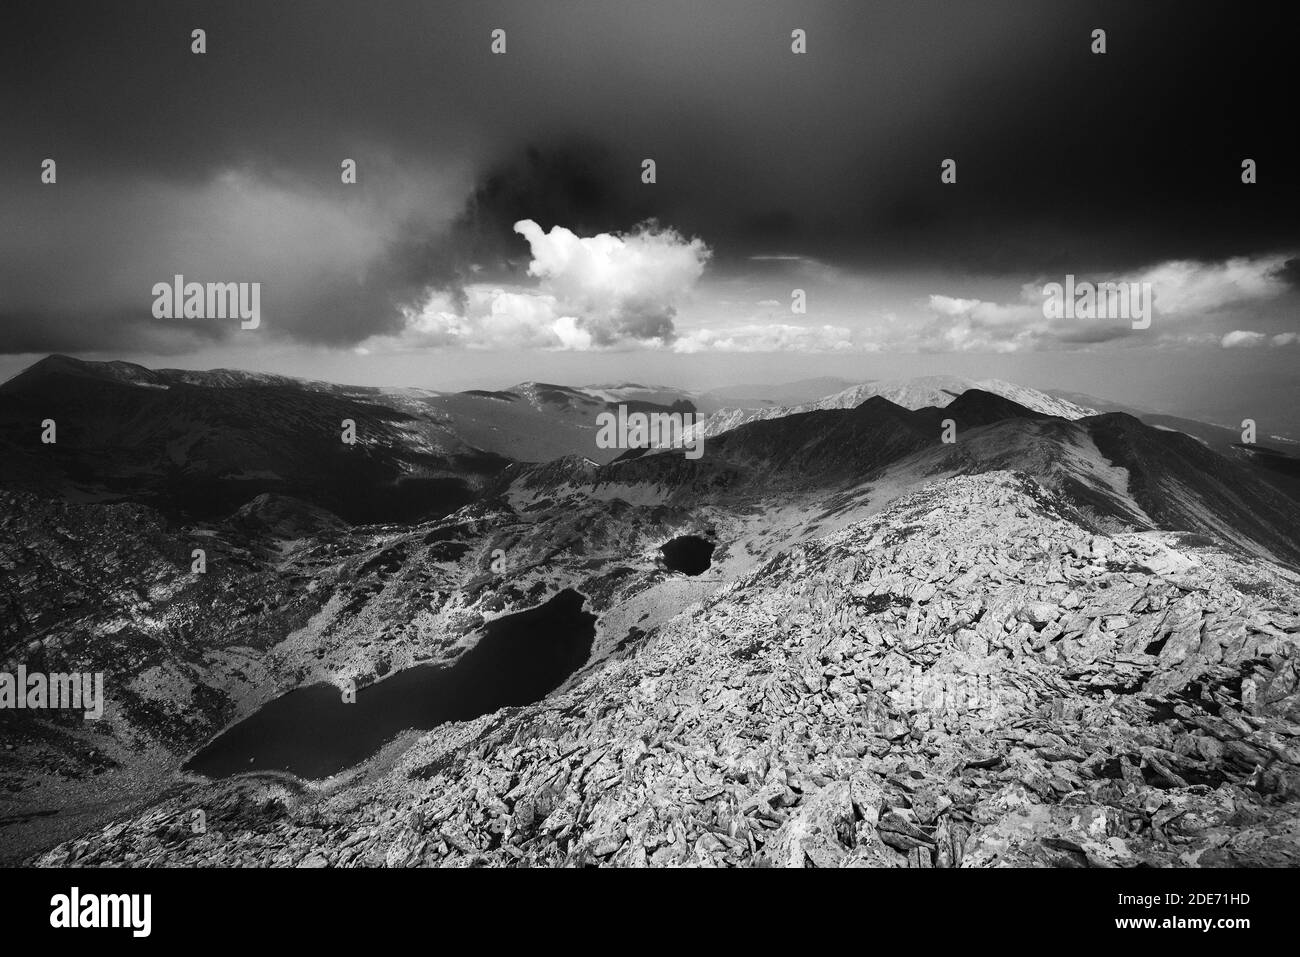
(823, 449)
(125, 432)
(1272, 459)
(1182, 484)
(975, 407)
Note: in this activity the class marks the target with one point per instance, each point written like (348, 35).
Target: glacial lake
(688, 554)
(312, 733)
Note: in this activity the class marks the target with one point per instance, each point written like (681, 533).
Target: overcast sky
(498, 229)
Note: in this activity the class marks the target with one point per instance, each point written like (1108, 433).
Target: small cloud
(987, 314)
(803, 266)
(1242, 339)
(768, 337)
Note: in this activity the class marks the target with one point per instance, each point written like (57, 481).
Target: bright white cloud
(988, 314)
(597, 292)
(1184, 287)
(1242, 339)
(490, 318)
(615, 287)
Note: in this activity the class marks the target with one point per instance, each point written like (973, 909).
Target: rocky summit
(972, 674)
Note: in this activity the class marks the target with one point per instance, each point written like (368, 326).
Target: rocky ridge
(968, 678)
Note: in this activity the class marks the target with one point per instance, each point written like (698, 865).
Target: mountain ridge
(926, 391)
(1093, 576)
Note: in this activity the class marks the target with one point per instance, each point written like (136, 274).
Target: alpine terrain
(926, 623)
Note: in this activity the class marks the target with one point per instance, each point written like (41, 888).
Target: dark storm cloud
(1290, 273)
(35, 332)
(1067, 161)
(573, 182)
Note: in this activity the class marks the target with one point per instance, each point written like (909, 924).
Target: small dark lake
(688, 554)
(311, 732)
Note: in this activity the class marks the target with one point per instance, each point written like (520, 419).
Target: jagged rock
(944, 696)
(819, 831)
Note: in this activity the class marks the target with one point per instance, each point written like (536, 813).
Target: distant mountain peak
(59, 365)
(978, 407)
(933, 392)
